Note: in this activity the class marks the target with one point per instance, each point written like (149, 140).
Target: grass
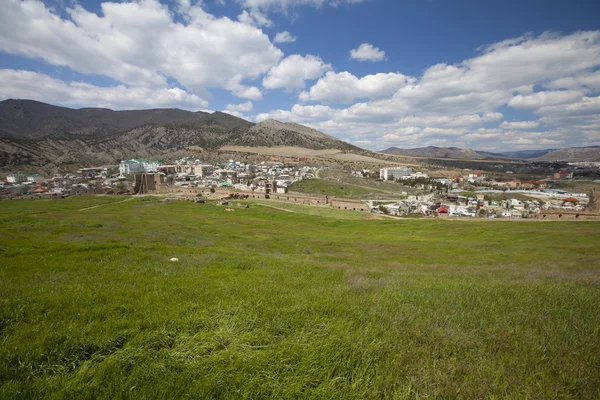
(334, 188)
(266, 303)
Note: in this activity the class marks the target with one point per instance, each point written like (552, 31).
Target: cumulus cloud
(284, 37)
(344, 87)
(520, 125)
(541, 99)
(552, 77)
(284, 5)
(255, 17)
(244, 107)
(293, 71)
(367, 52)
(141, 44)
(36, 86)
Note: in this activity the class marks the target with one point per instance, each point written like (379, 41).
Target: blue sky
(491, 75)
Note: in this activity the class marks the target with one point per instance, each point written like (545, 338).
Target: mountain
(28, 119)
(437, 152)
(574, 154)
(38, 136)
(272, 133)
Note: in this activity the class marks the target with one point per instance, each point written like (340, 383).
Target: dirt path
(100, 205)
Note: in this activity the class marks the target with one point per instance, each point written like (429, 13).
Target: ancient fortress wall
(296, 198)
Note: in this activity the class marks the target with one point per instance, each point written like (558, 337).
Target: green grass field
(338, 189)
(265, 303)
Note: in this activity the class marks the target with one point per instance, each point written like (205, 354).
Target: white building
(203, 170)
(35, 178)
(129, 167)
(16, 178)
(394, 173)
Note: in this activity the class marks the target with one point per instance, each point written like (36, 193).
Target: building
(394, 173)
(129, 167)
(203, 170)
(16, 178)
(35, 178)
(564, 174)
(270, 188)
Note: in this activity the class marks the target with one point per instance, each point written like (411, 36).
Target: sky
(489, 75)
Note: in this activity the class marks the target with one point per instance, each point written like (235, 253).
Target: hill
(272, 133)
(574, 154)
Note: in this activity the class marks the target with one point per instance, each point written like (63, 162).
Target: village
(471, 194)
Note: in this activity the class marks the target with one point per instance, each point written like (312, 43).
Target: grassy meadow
(266, 303)
(338, 189)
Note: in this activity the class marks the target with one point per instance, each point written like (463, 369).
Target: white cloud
(520, 125)
(542, 99)
(293, 71)
(452, 103)
(367, 52)
(284, 5)
(140, 43)
(247, 92)
(244, 107)
(344, 87)
(255, 18)
(587, 82)
(284, 37)
(36, 86)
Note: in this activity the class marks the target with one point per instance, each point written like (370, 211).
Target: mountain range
(36, 135)
(574, 154)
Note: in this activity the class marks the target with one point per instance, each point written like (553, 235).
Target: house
(564, 174)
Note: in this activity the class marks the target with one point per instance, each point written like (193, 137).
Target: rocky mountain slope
(37, 136)
(574, 154)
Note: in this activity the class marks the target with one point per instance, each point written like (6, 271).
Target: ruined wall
(348, 204)
(301, 199)
(295, 198)
(568, 215)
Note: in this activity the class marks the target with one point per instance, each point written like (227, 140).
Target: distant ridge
(574, 154)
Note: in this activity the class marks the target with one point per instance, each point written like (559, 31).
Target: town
(468, 194)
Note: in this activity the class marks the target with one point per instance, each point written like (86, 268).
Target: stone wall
(348, 204)
(568, 215)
